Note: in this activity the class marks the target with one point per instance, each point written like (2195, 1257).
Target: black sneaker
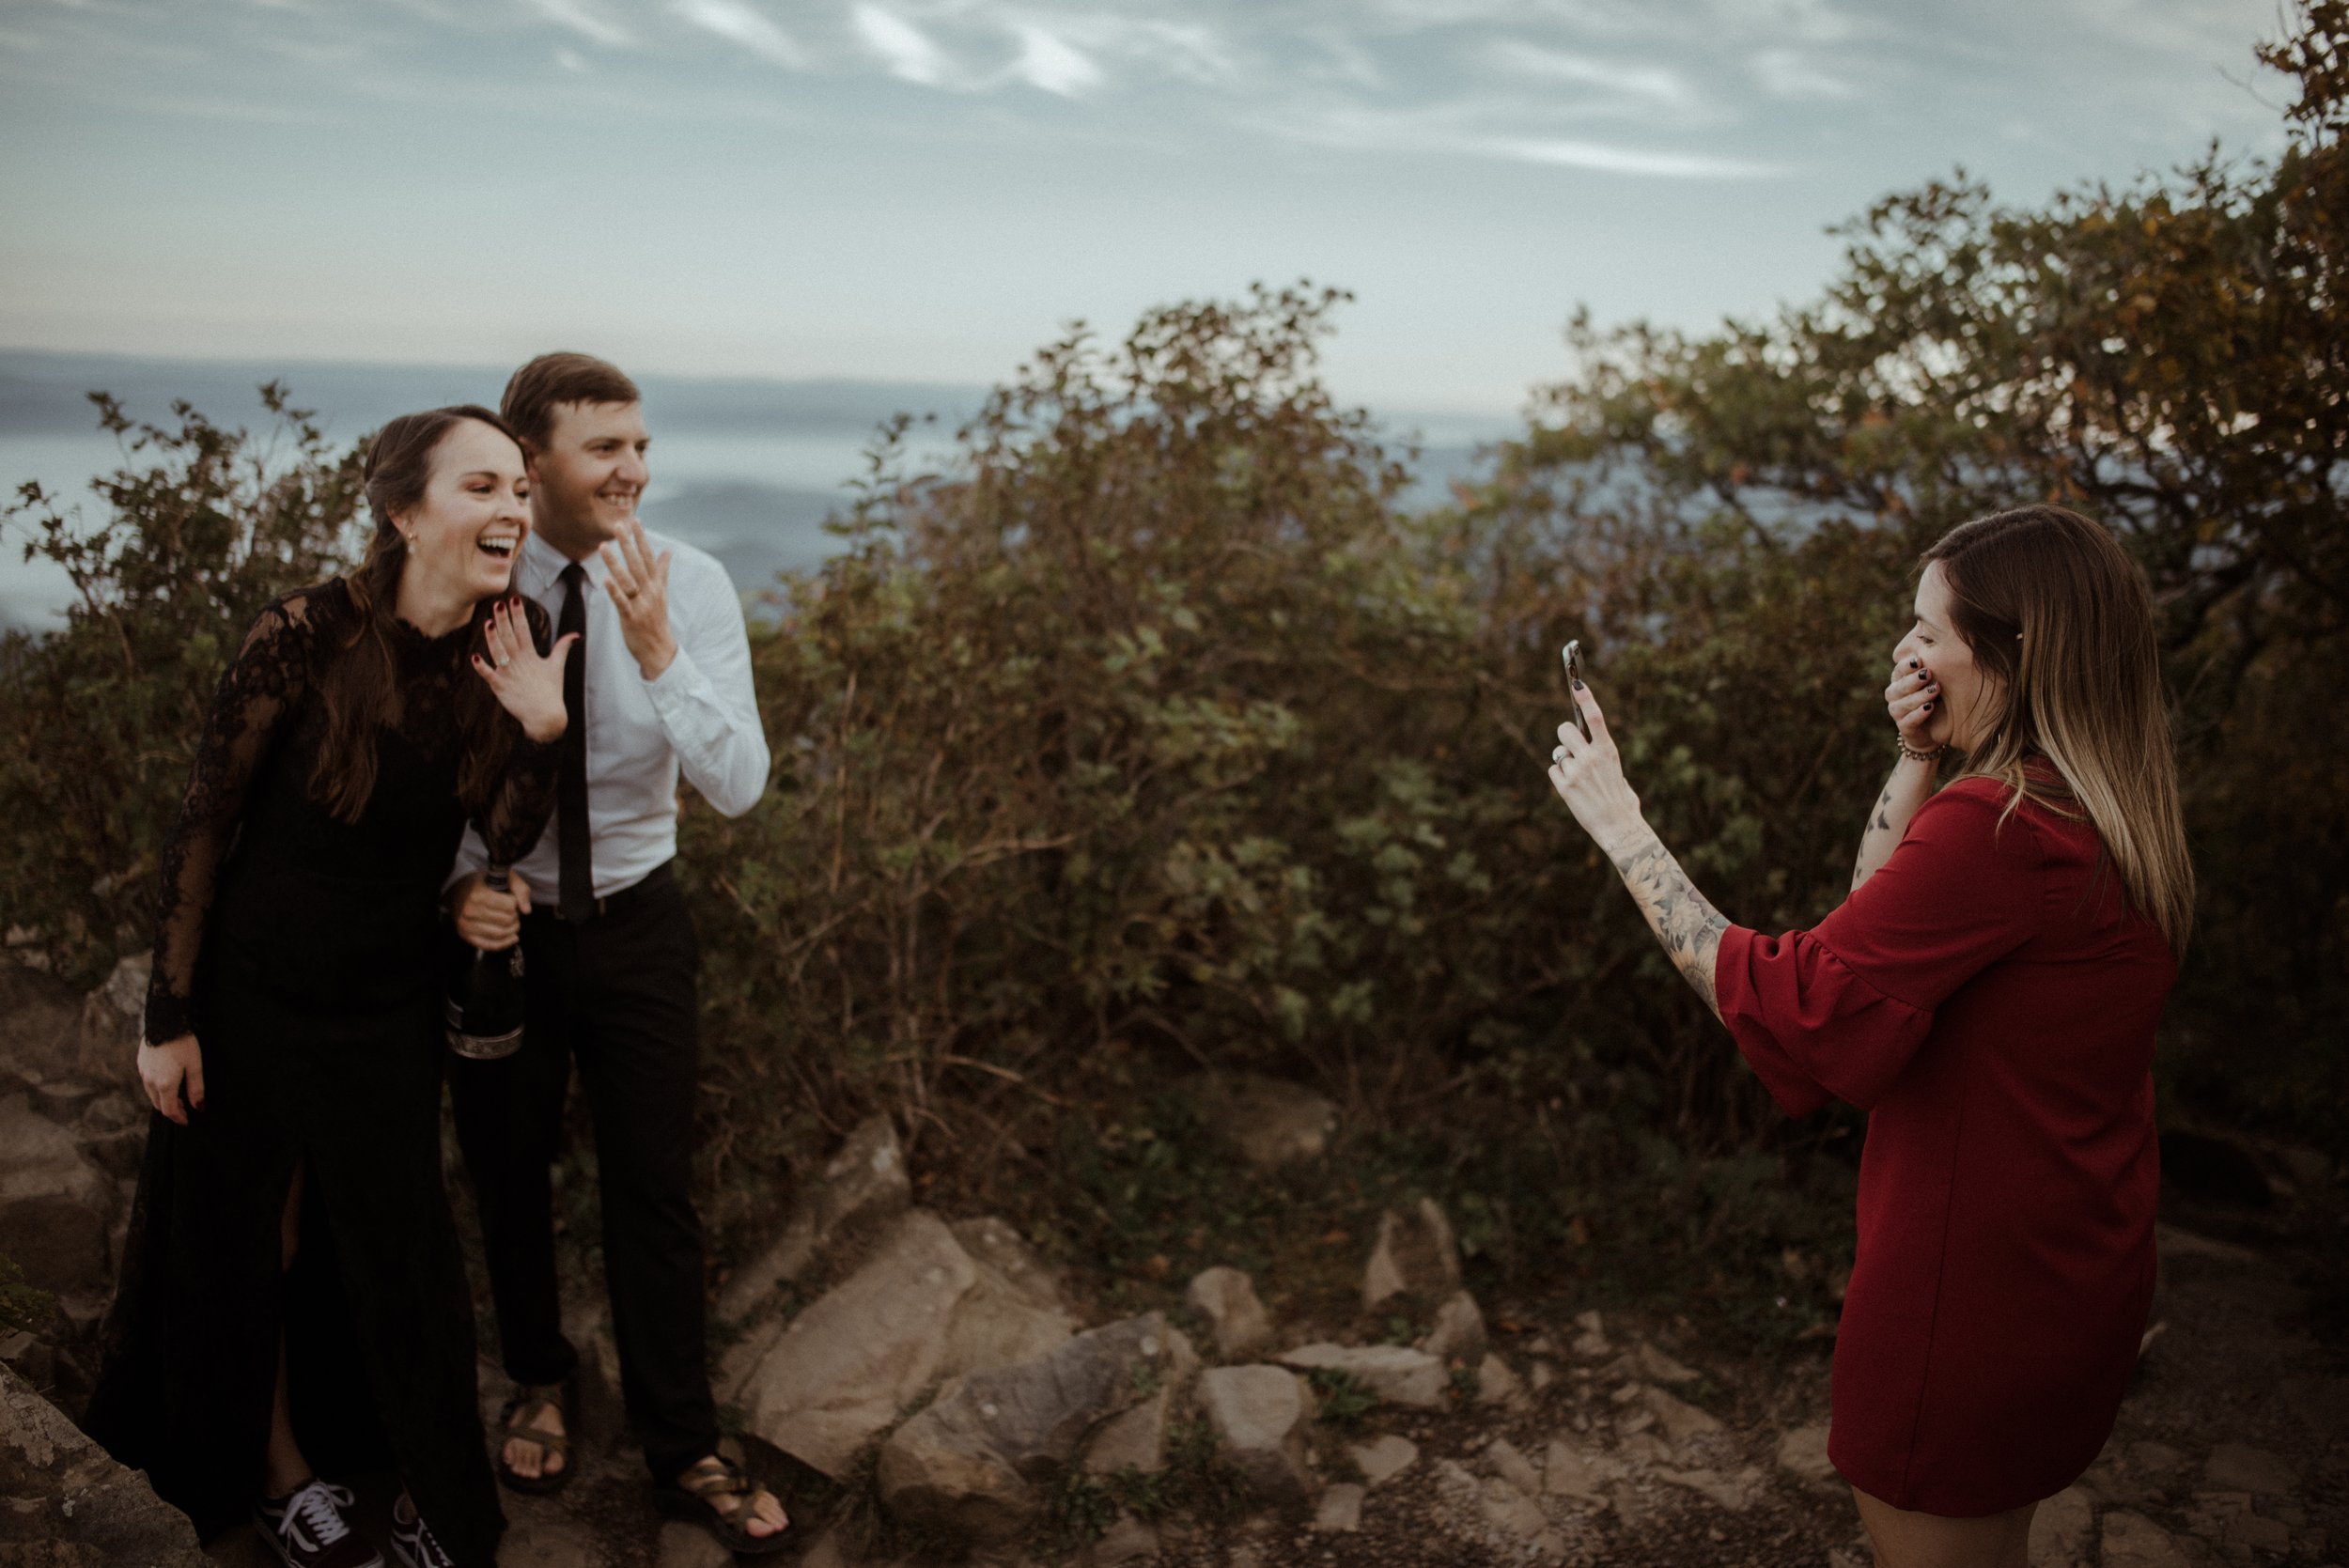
(308, 1529)
(411, 1538)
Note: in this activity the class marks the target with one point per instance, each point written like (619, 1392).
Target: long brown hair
(2061, 623)
(360, 686)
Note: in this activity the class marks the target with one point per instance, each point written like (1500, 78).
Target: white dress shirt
(701, 717)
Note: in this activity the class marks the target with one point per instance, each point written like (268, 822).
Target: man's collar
(542, 565)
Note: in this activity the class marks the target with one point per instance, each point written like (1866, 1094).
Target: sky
(928, 190)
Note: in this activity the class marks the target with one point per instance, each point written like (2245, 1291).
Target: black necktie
(576, 886)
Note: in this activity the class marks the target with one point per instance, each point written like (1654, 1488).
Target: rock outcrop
(860, 1187)
(929, 1302)
(56, 1206)
(822, 1386)
(72, 1131)
(64, 1501)
(971, 1465)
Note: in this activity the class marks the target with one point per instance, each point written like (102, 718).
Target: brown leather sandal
(519, 1420)
(693, 1497)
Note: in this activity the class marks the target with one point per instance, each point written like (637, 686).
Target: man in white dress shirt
(660, 686)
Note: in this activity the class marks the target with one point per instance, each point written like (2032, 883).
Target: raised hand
(1588, 777)
(1914, 701)
(638, 582)
(528, 684)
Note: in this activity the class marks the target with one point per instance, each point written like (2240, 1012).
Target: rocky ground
(926, 1389)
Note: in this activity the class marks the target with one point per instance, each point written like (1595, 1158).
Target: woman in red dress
(1987, 994)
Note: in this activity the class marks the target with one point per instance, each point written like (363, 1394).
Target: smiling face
(1968, 705)
(462, 532)
(589, 474)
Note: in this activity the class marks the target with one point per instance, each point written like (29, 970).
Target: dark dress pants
(613, 993)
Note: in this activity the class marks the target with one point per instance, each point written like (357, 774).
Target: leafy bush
(203, 526)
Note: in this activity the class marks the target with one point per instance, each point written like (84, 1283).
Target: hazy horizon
(745, 467)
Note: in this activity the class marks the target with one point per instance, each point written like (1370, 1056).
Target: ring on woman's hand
(1557, 753)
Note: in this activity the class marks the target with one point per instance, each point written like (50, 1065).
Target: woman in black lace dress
(292, 1290)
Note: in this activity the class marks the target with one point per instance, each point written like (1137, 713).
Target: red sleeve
(1838, 1010)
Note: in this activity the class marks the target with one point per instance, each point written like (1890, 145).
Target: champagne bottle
(484, 1009)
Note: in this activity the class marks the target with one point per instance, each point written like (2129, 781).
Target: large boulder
(64, 1503)
(860, 1187)
(1271, 1120)
(1013, 1311)
(822, 1386)
(56, 1207)
(1258, 1416)
(931, 1302)
(970, 1466)
(1415, 1255)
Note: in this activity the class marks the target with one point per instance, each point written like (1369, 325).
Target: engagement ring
(1557, 753)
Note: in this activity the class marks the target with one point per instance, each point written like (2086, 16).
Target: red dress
(1988, 997)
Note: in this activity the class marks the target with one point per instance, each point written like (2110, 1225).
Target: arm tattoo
(1880, 823)
(1687, 925)
(1888, 819)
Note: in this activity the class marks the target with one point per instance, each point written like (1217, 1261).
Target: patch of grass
(1081, 1509)
(23, 1306)
(1341, 1398)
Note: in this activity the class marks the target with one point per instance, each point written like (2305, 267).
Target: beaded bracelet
(1915, 756)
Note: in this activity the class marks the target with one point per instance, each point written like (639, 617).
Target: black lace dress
(304, 954)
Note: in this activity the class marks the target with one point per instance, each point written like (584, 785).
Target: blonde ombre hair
(2061, 623)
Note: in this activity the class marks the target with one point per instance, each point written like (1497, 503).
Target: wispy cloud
(904, 48)
(582, 19)
(736, 22)
(1048, 61)
(1620, 160)
(1655, 84)
(1466, 130)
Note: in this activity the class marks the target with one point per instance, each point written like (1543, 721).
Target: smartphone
(1572, 654)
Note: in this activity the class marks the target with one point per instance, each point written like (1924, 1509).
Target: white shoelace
(318, 1509)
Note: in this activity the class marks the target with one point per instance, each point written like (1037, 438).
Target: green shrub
(201, 528)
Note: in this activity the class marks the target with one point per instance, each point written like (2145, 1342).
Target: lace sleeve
(260, 687)
(523, 799)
